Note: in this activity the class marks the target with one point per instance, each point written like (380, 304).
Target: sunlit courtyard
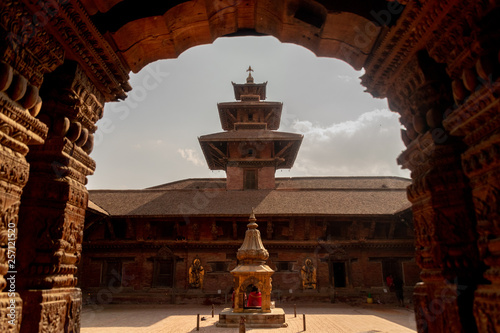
(323, 317)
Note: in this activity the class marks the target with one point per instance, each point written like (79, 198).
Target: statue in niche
(215, 231)
(196, 274)
(308, 275)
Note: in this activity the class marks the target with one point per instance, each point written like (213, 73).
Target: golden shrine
(252, 271)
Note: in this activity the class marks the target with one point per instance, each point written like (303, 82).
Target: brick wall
(266, 180)
(234, 178)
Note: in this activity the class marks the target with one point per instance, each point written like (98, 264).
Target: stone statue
(196, 274)
(308, 275)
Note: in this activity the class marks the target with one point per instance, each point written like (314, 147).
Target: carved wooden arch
(165, 253)
(451, 33)
(338, 254)
(167, 30)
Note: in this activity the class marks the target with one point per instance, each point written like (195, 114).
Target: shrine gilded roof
(293, 196)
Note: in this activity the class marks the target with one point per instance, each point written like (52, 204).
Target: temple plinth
(252, 271)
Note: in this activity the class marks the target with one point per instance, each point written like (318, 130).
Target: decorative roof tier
(252, 250)
(231, 113)
(250, 90)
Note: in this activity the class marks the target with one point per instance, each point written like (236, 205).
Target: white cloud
(192, 156)
(345, 78)
(365, 146)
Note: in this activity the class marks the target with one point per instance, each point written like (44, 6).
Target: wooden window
(163, 273)
(250, 180)
(225, 230)
(218, 266)
(281, 230)
(111, 274)
(381, 230)
(284, 266)
(116, 229)
(337, 229)
(165, 230)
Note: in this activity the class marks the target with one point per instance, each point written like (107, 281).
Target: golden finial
(249, 78)
(252, 216)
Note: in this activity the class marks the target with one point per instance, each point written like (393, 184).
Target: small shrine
(252, 271)
(252, 274)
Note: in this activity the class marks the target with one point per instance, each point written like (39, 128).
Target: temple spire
(252, 250)
(249, 78)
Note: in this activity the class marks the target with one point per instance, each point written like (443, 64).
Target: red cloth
(390, 281)
(254, 299)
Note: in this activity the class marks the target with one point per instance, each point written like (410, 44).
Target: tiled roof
(251, 135)
(300, 183)
(316, 196)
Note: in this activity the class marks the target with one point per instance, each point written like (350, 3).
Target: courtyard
(182, 318)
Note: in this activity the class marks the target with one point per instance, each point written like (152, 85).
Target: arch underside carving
(344, 31)
(437, 62)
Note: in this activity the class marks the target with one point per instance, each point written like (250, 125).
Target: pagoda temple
(250, 150)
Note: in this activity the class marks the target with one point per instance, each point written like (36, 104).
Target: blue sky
(152, 137)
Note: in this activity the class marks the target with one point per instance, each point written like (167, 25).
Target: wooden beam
(217, 150)
(284, 148)
(269, 115)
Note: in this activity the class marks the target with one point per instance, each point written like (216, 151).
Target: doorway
(338, 274)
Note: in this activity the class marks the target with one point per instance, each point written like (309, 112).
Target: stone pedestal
(273, 319)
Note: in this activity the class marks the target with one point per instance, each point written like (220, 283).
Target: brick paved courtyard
(325, 317)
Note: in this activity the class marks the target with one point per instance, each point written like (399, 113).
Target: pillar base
(52, 310)
(10, 312)
(487, 308)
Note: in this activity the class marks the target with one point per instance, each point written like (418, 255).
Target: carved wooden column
(440, 197)
(476, 118)
(54, 201)
(25, 55)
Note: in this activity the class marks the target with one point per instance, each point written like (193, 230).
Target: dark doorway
(337, 274)
(391, 266)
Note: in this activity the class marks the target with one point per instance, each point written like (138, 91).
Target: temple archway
(436, 62)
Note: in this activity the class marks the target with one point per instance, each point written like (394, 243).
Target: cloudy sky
(152, 137)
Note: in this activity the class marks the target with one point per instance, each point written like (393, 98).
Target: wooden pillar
(476, 118)
(24, 59)
(442, 208)
(54, 201)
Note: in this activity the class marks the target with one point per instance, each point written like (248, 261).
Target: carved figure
(308, 275)
(196, 274)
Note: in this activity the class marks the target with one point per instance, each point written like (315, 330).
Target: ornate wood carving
(24, 60)
(68, 22)
(54, 201)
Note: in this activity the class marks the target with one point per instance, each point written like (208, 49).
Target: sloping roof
(175, 201)
(228, 113)
(381, 182)
(94, 207)
(250, 135)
